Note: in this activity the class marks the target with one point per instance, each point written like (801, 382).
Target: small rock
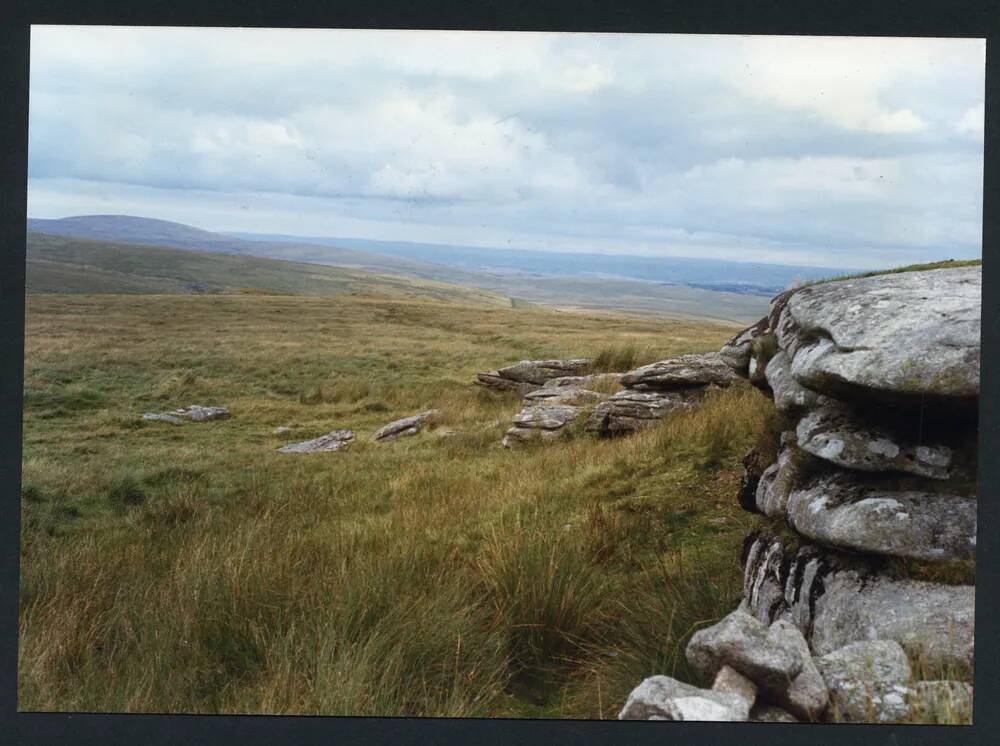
(771, 714)
(806, 695)
(731, 681)
(742, 642)
(405, 427)
(628, 411)
(683, 371)
(664, 698)
(199, 413)
(336, 440)
(281, 430)
(154, 417)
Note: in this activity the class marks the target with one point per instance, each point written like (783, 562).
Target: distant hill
(726, 299)
(60, 264)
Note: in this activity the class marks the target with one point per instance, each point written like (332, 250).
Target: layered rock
(874, 478)
(547, 411)
(528, 375)
(654, 391)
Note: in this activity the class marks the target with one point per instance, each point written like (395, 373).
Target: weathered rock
(742, 642)
(868, 682)
(664, 698)
(805, 696)
(156, 417)
(629, 411)
(335, 440)
(198, 413)
(840, 510)
(941, 701)
(790, 397)
(771, 714)
(697, 369)
(932, 622)
(194, 413)
(779, 479)
(836, 433)
(405, 427)
(540, 421)
(736, 352)
(569, 395)
(731, 681)
(528, 375)
(583, 382)
(905, 337)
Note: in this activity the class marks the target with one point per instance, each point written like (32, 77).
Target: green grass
(945, 264)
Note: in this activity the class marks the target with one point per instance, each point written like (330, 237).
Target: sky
(838, 152)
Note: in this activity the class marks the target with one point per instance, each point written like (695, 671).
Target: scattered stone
(834, 432)
(405, 427)
(910, 336)
(839, 510)
(154, 417)
(868, 682)
(335, 440)
(198, 413)
(664, 698)
(696, 369)
(281, 430)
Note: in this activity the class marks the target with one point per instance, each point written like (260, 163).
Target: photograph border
(939, 19)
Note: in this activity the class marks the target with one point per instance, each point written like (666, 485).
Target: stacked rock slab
(547, 411)
(528, 375)
(656, 390)
(878, 380)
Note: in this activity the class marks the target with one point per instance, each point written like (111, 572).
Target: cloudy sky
(836, 152)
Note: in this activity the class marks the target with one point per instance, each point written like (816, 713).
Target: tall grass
(427, 577)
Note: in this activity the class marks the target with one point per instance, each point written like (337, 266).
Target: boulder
(868, 682)
(335, 440)
(731, 681)
(683, 371)
(841, 510)
(540, 421)
(664, 698)
(629, 411)
(905, 337)
(933, 622)
(835, 432)
(405, 427)
(805, 696)
(743, 643)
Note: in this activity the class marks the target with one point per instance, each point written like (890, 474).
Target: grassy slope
(195, 569)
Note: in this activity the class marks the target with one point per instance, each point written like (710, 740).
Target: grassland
(194, 569)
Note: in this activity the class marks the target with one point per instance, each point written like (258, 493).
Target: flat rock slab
(404, 427)
(905, 336)
(868, 682)
(682, 371)
(845, 511)
(529, 374)
(837, 433)
(664, 698)
(194, 413)
(335, 440)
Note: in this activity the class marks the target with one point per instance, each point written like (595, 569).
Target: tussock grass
(430, 576)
